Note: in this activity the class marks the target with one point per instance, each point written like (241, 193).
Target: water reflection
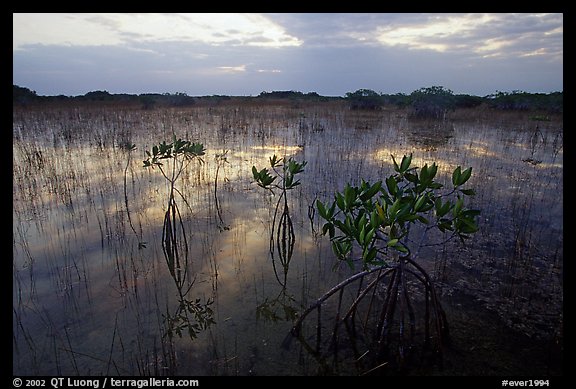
(429, 136)
(281, 307)
(88, 299)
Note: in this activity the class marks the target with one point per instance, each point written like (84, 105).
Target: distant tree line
(436, 101)
(433, 102)
(24, 96)
(518, 100)
(292, 95)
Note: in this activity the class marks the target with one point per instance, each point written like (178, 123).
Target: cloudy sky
(245, 54)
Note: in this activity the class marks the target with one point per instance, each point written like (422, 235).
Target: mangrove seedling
(172, 159)
(129, 147)
(369, 225)
(282, 179)
(221, 159)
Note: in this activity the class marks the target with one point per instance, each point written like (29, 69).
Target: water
(92, 288)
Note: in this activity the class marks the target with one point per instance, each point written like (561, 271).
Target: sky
(245, 54)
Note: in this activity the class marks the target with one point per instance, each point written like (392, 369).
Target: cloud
(434, 34)
(327, 53)
(232, 69)
(125, 29)
(59, 29)
(483, 35)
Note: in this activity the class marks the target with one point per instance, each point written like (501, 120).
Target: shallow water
(92, 289)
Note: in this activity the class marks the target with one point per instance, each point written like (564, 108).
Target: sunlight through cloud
(117, 29)
(233, 69)
(435, 34)
(486, 35)
(245, 53)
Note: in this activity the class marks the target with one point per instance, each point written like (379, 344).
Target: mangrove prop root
(394, 308)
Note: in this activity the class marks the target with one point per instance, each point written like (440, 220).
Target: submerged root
(381, 324)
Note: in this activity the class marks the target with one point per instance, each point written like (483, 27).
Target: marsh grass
(88, 299)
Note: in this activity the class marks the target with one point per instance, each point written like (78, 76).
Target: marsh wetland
(100, 289)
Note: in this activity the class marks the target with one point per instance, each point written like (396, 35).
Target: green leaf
(341, 249)
(400, 247)
(432, 171)
(424, 175)
(361, 220)
(438, 204)
(468, 192)
(350, 225)
(391, 242)
(458, 206)
(196, 149)
(328, 227)
(442, 209)
(405, 164)
(412, 217)
(420, 202)
(446, 208)
(396, 167)
(368, 194)
(411, 177)
(392, 185)
(331, 210)
(445, 224)
(321, 209)
(349, 196)
(427, 207)
(336, 248)
(423, 219)
(199, 148)
(467, 226)
(470, 213)
(295, 167)
(340, 201)
(456, 176)
(375, 218)
(465, 176)
(370, 255)
(404, 210)
(385, 196)
(164, 147)
(275, 161)
(381, 213)
(393, 210)
(370, 235)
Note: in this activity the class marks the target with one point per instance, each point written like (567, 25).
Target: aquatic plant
(178, 155)
(376, 219)
(221, 159)
(286, 171)
(129, 147)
